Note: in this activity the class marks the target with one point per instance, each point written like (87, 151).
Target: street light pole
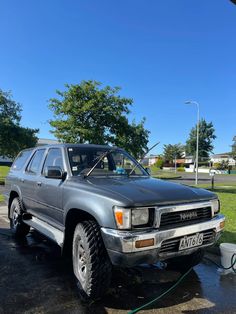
(197, 144)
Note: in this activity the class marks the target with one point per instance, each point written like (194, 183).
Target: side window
(21, 159)
(54, 158)
(35, 162)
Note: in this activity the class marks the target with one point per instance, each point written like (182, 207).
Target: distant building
(189, 160)
(45, 141)
(150, 160)
(218, 158)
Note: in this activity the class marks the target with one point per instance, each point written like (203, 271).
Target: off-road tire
(91, 264)
(183, 263)
(18, 227)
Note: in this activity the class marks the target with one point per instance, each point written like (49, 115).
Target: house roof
(46, 141)
(220, 155)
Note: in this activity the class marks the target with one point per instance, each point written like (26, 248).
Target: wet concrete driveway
(35, 279)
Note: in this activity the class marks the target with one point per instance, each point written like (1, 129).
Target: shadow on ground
(35, 279)
(224, 190)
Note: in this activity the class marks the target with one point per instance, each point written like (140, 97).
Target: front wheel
(91, 264)
(18, 227)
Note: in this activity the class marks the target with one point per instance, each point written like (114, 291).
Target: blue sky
(161, 52)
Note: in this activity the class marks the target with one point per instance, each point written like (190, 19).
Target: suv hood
(150, 191)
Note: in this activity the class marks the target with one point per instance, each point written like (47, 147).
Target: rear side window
(35, 162)
(21, 159)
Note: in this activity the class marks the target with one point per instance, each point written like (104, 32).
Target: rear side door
(14, 180)
(49, 191)
(29, 179)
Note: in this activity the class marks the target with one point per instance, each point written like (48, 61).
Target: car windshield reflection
(114, 163)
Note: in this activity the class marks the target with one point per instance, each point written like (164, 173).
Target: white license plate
(191, 241)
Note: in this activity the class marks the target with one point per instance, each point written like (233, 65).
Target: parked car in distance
(103, 208)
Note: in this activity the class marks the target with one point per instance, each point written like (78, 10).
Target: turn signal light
(119, 217)
(222, 224)
(144, 243)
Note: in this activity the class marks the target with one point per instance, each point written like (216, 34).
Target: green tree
(206, 137)
(233, 153)
(88, 113)
(13, 137)
(173, 151)
(159, 163)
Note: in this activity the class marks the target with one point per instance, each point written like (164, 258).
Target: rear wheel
(18, 227)
(91, 264)
(183, 263)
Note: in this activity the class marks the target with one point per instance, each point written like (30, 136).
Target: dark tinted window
(54, 158)
(35, 162)
(21, 159)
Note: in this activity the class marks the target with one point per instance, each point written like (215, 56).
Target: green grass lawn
(227, 195)
(3, 173)
(160, 174)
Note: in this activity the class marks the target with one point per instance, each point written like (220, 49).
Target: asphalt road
(204, 178)
(35, 279)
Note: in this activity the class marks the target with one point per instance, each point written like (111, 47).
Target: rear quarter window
(21, 160)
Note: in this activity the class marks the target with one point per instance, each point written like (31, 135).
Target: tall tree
(88, 113)
(233, 153)
(206, 137)
(13, 137)
(173, 151)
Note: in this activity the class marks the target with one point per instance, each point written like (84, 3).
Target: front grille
(172, 245)
(185, 217)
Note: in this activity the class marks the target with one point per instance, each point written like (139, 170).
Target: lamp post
(191, 102)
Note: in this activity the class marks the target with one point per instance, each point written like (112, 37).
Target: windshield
(117, 162)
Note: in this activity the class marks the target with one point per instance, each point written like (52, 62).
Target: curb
(166, 178)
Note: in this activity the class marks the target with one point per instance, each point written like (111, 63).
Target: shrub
(180, 169)
(217, 166)
(224, 165)
(159, 163)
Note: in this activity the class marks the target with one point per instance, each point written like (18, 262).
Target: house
(219, 158)
(46, 141)
(150, 160)
(189, 159)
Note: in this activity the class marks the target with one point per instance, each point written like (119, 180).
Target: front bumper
(122, 250)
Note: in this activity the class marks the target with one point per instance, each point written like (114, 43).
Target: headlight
(140, 216)
(215, 205)
(136, 217)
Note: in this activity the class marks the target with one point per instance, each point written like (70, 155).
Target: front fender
(100, 207)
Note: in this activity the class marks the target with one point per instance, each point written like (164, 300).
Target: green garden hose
(233, 262)
(181, 278)
(163, 294)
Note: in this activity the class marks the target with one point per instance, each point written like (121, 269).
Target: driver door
(49, 192)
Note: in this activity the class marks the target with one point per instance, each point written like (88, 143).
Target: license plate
(191, 241)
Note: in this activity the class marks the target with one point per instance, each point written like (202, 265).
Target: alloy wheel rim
(82, 261)
(15, 218)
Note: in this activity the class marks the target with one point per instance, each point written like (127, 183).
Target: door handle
(39, 183)
(22, 180)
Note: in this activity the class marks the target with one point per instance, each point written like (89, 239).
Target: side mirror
(54, 172)
(148, 170)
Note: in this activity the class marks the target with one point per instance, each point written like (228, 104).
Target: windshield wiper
(136, 165)
(97, 162)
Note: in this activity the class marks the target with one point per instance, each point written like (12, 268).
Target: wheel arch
(73, 217)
